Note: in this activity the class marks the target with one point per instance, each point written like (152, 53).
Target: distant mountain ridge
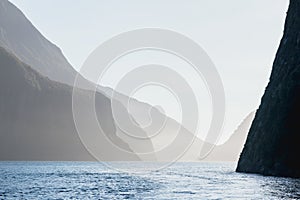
(43, 88)
(231, 149)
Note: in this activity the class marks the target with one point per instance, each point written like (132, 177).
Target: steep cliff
(273, 143)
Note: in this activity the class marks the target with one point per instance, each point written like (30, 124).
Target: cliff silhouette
(272, 146)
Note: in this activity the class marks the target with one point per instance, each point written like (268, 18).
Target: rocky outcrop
(273, 143)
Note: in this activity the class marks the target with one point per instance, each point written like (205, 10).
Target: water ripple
(88, 180)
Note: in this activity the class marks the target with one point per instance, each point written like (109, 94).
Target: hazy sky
(241, 37)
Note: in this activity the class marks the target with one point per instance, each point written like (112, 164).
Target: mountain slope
(272, 146)
(31, 47)
(36, 117)
(231, 149)
(19, 36)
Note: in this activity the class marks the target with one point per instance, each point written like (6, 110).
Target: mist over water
(92, 180)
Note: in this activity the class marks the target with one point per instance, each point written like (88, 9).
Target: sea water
(94, 180)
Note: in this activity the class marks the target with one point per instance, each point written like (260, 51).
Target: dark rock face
(273, 143)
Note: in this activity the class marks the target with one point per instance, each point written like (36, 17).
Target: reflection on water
(281, 187)
(84, 180)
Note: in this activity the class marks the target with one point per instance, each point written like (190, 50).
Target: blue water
(91, 180)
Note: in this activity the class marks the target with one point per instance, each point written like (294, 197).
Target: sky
(241, 38)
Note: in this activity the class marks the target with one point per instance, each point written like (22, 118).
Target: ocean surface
(92, 180)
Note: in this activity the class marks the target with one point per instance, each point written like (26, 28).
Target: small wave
(184, 192)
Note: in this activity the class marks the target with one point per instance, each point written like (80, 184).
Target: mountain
(48, 78)
(21, 38)
(272, 146)
(37, 123)
(36, 118)
(31, 47)
(231, 149)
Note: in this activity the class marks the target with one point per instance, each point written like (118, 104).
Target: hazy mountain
(27, 44)
(272, 146)
(171, 134)
(182, 139)
(37, 123)
(36, 117)
(35, 50)
(231, 149)
(30, 46)
(20, 37)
